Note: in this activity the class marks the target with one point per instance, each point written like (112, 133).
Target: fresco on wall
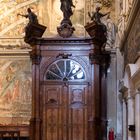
(78, 18)
(12, 25)
(15, 92)
(47, 11)
(49, 14)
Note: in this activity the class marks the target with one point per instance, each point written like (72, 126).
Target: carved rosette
(65, 30)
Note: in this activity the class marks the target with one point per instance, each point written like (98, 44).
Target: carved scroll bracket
(35, 56)
(103, 59)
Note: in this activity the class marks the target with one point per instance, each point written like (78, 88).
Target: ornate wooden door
(66, 112)
(66, 106)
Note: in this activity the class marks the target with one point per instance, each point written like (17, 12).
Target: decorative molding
(63, 55)
(15, 53)
(130, 97)
(13, 43)
(136, 79)
(131, 19)
(122, 87)
(138, 91)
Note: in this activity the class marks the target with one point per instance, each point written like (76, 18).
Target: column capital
(129, 98)
(122, 87)
(137, 91)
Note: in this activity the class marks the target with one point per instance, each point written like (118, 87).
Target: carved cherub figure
(31, 15)
(96, 16)
(32, 20)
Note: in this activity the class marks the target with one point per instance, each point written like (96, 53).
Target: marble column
(124, 93)
(130, 103)
(124, 120)
(137, 115)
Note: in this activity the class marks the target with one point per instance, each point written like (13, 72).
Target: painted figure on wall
(15, 91)
(9, 18)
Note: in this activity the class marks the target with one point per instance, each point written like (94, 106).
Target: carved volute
(35, 55)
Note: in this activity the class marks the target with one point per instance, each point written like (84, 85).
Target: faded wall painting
(48, 11)
(12, 25)
(15, 91)
(49, 14)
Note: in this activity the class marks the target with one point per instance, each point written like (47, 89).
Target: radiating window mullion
(55, 74)
(70, 71)
(59, 70)
(65, 68)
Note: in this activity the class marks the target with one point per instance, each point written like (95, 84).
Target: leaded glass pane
(65, 70)
(51, 76)
(55, 69)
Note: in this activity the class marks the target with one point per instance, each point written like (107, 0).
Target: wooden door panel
(65, 112)
(78, 112)
(78, 124)
(52, 113)
(52, 123)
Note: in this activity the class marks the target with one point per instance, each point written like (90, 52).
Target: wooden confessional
(69, 89)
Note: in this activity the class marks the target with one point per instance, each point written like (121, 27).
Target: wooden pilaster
(100, 59)
(35, 121)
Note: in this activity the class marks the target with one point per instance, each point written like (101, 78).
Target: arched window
(65, 70)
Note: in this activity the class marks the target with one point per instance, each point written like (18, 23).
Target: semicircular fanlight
(65, 70)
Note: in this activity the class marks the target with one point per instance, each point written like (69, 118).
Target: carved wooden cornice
(66, 41)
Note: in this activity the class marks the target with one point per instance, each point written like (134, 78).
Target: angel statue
(66, 29)
(66, 8)
(31, 15)
(96, 16)
(32, 20)
(33, 28)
